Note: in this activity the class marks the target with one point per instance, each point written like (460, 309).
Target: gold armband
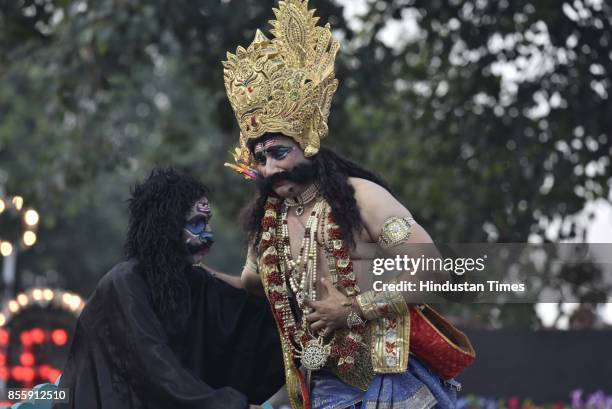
(395, 230)
(382, 304)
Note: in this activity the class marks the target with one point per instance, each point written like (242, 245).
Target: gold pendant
(314, 354)
(299, 210)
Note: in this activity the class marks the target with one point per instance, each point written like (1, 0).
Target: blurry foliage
(486, 118)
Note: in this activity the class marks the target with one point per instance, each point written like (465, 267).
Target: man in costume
(314, 229)
(162, 332)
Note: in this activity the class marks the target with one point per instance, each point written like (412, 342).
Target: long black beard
(302, 174)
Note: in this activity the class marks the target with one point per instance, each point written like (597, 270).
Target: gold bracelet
(384, 304)
(366, 304)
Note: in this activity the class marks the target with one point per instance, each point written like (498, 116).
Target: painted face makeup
(282, 167)
(265, 144)
(197, 232)
(271, 147)
(276, 152)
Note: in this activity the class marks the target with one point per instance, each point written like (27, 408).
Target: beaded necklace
(302, 279)
(312, 352)
(302, 199)
(303, 272)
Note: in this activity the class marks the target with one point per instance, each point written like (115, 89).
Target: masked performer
(314, 230)
(159, 332)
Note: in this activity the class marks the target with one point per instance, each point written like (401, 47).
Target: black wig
(157, 212)
(331, 171)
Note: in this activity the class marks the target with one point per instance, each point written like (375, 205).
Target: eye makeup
(260, 158)
(277, 152)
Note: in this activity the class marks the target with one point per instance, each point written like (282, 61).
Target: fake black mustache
(302, 174)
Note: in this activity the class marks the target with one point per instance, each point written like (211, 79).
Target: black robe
(121, 357)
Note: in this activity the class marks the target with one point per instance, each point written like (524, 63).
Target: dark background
(545, 366)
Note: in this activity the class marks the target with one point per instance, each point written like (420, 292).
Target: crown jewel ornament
(284, 84)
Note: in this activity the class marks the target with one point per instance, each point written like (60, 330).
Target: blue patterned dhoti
(417, 388)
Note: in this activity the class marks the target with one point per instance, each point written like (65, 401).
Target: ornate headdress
(285, 84)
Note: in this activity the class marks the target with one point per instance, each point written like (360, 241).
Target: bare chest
(299, 243)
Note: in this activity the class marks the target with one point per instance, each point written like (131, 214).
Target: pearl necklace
(302, 199)
(311, 350)
(303, 271)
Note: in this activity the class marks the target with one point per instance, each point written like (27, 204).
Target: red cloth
(433, 345)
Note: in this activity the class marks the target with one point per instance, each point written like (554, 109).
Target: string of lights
(11, 210)
(27, 346)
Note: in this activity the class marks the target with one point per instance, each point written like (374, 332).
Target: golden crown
(285, 84)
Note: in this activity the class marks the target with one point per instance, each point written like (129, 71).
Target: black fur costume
(159, 333)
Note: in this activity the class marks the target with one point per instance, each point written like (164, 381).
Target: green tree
(491, 118)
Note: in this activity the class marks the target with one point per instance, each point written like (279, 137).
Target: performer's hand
(329, 314)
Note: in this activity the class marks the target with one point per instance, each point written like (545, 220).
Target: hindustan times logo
(411, 265)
